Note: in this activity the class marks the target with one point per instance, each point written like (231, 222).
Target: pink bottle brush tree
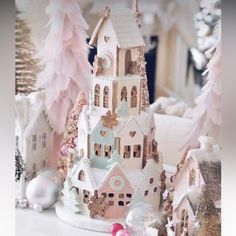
(207, 113)
(66, 69)
(71, 133)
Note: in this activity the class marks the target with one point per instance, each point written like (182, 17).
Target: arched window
(134, 97)
(105, 97)
(184, 222)
(192, 177)
(97, 95)
(127, 61)
(123, 94)
(81, 175)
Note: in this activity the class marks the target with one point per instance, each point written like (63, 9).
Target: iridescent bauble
(115, 228)
(44, 189)
(139, 217)
(123, 232)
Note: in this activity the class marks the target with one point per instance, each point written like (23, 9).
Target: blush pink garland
(64, 54)
(207, 113)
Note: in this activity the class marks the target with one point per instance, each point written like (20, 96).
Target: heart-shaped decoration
(103, 132)
(132, 133)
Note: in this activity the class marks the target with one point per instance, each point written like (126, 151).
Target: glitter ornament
(139, 217)
(44, 189)
(115, 228)
(123, 232)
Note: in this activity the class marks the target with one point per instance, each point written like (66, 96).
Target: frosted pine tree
(207, 113)
(70, 197)
(26, 65)
(67, 70)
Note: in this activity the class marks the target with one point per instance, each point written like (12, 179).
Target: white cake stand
(85, 222)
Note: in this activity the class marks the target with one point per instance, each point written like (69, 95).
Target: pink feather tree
(207, 113)
(66, 70)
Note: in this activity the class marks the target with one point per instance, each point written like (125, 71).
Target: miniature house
(33, 132)
(202, 168)
(116, 90)
(117, 38)
(115, 185)
(116, 144)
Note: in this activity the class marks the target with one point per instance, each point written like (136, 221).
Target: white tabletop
(46, 223)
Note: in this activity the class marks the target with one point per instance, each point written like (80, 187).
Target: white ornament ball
(43, 191)
(37, 208)
(139, 217)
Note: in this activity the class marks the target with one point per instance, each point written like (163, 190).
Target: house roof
(28, 110)
(123, 22)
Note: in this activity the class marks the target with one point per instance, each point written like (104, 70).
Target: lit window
(111, 203)
(134, 97)
(44, 140)
(121, 195)
(107, 150)
(81, 175)
(34, 142)
(97, 149)
(105, 97)
(97, 96)
(86, 195)
(123, 94)
(137, 151)
(184, 221)
(127, 150)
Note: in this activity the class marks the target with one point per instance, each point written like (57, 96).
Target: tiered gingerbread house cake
(118, 162)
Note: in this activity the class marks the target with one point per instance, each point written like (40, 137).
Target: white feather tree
(207, 113)
(64, 55)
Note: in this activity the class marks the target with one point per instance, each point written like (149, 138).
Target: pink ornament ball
(123, 232)
(115, 228)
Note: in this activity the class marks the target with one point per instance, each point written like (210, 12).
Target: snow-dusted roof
(127, 33)
(27, 109)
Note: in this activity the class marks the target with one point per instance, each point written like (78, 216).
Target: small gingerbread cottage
(33, 131)
(202, 169)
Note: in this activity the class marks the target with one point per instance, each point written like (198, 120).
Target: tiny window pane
(146, 193)
(127, 150)
(129, 195)
(111, 195)
(121, 203)
(121, 195)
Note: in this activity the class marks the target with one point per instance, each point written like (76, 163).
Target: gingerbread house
(202, 169)
(33, 131)
(116, 146)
